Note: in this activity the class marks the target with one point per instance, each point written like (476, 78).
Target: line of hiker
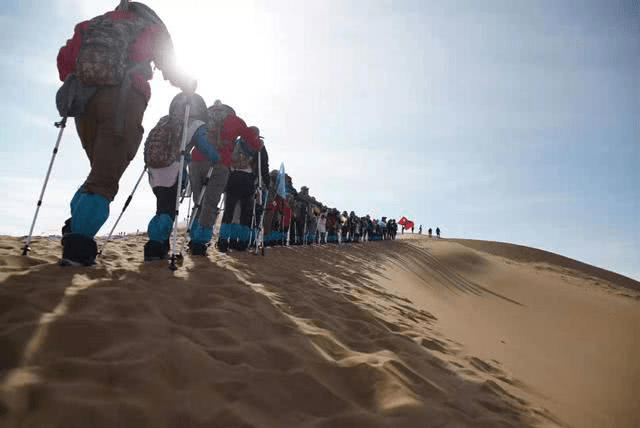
(105, 67)
(296, 218)
(430, 232)
(195, 150)
(221, 154)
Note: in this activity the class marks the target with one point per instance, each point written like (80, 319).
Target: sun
(221, 44)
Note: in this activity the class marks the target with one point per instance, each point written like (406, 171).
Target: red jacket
(232, 128)
(282, 206)
(154, 44)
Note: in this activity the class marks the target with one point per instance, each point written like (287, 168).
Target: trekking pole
(220, 209)
(254, 220)
(126, 204)
(288, 231)
(188, 194)
(196, 208)
(304, 233)
(263, 202)
(295, 232)
(260, 233)
(183, 143)
(62, 124)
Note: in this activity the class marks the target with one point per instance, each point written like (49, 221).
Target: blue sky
(514, 121)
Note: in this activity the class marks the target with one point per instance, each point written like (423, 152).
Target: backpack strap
(125, 87)
(194, 125)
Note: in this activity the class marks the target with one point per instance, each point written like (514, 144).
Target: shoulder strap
(194, 125)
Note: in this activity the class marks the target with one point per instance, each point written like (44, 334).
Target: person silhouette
(438, 232)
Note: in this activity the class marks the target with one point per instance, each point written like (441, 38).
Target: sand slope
(411, 333)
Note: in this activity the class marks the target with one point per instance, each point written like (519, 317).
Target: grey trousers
(198, 172)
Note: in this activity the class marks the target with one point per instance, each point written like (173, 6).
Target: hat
(198, 108)
(217, 105)
(257, 131)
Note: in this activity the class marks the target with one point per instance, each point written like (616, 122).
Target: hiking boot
(241, 245)
(233, 244)
(155, 250)
(78, 250)
(198, 249)
(66, 229)
(223, 245)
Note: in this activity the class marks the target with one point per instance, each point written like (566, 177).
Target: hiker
(312, 224)
(270, 216)
(239, 193)
(322, 228)
(163, 161)
(279, 212)
(354, 227)
(334, 225)
(438, 232)
(224, 127)
(368, 227)
(110, 125)
(420, 230)
(261, 193)
(430, 232)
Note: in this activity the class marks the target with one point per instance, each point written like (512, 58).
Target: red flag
(402, 221)
(408, 224)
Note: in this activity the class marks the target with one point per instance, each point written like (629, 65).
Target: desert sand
(415, 332)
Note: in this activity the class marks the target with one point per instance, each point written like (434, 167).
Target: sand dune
(412, 333)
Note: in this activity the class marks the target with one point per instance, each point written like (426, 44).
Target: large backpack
(243, 157)
(216, 114)
(162, 146)
(104, 53)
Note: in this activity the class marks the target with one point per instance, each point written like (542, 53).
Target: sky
(513, 121)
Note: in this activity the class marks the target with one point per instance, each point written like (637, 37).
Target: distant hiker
(162, 158)
(438, 232)
(353, 227)
(332, 225)
(261, 194)
(411, 228)
(322, 228)
(264, 159)
(239, 191)
(224, 128)
(393, 228)
(271, 216)
(430, 232)
(420, 230)
(110, 125)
